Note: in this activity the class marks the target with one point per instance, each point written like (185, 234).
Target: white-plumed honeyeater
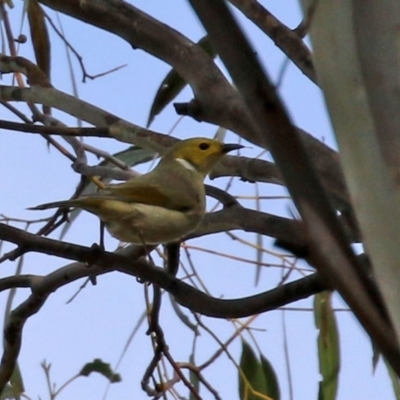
(161, 206)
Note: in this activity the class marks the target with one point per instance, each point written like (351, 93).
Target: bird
(159, 207)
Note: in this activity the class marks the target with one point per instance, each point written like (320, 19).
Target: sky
(99, 321)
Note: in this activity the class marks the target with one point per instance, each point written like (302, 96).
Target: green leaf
(328, 346)
(173, 84)
(102, 368)
(271, 379)
(17, 382)
(394, 378)
(40, 36)
(252, 379)
(15, 387)
(8, 393)
(132, 156)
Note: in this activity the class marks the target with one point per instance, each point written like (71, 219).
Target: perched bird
(161, 206)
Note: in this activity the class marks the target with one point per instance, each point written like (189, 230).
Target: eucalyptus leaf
(252, 378)
(394, 379)
(173, 84)
(328, 346)
(101, 368)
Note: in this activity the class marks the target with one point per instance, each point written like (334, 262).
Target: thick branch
(286, 39)
(54, 130)
(217, 101)
(107, 262)
(184, 294)
(327, 242)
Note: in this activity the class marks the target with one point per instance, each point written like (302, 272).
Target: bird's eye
(204, 146)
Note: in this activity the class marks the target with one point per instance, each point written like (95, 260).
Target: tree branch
(55, 130)
(106, 262)
(286, 39)
(328, 246)
(216, 100)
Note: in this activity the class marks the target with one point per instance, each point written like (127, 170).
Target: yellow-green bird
(161, 206)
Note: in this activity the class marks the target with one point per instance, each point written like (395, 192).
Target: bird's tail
(90, 203)
(55, 204)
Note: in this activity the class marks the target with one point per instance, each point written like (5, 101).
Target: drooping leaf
(173, 84)
(15, 387)
(271, 379)
(328, 346)
(72, 73)
(16, 381)
(102, 368)
(252, 380)
(7, 393)
(40, 36)
(395, 380)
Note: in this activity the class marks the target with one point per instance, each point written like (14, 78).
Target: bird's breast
(145, 224)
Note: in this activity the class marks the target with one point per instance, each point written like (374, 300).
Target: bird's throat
(186, 164)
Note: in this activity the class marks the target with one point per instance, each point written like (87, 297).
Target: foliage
(183, 353)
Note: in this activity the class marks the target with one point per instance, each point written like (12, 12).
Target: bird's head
(199, 154)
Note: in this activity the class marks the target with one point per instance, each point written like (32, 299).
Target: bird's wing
(149, 193)
(141, 193)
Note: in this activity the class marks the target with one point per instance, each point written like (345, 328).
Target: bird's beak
(229, 147)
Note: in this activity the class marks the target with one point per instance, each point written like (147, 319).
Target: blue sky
(99, 321)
